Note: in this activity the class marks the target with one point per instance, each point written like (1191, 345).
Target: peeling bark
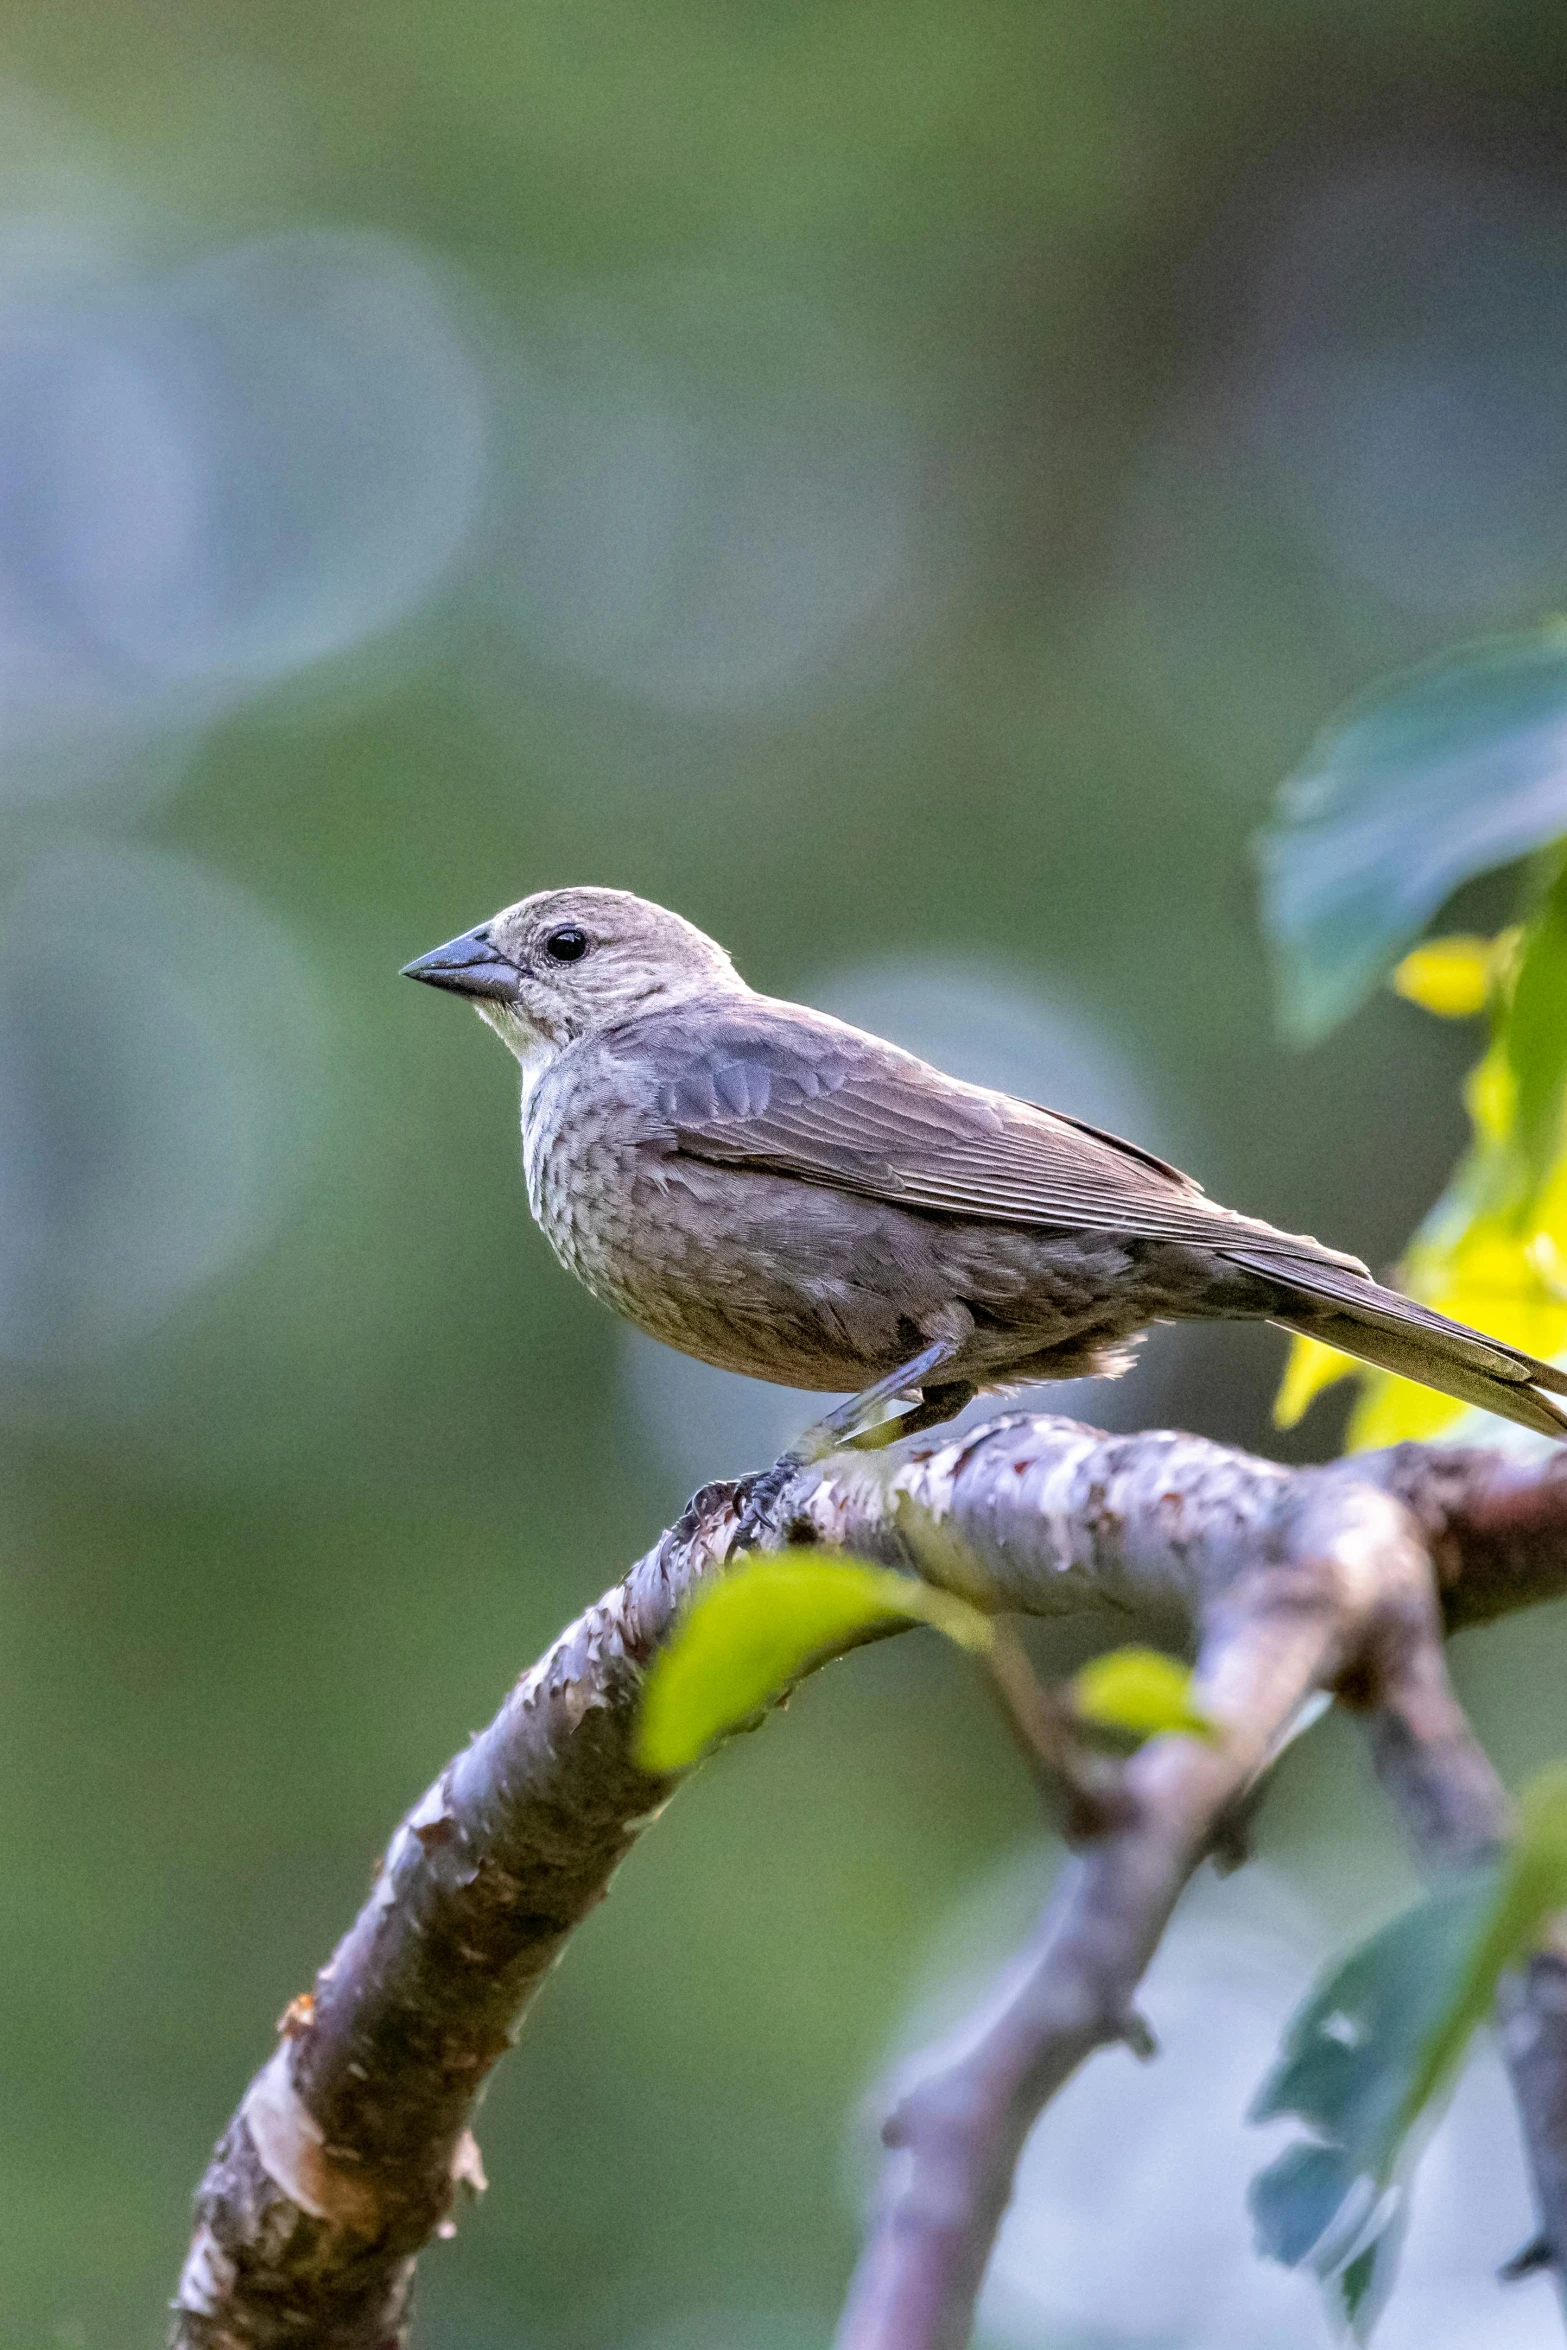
(351, 2146)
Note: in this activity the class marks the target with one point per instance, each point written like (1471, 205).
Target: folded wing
(797, 1094)
(827, 1105)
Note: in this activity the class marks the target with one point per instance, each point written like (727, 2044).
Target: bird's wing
(807, 1097)
(828, 1105)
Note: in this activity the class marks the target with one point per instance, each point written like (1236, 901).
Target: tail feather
(1354, 1313)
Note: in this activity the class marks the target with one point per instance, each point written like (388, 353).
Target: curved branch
(348, 2151)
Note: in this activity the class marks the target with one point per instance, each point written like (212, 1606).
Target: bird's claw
(758, 1497)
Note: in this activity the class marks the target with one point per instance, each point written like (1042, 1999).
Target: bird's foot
(899, 1405)
(758, 1496)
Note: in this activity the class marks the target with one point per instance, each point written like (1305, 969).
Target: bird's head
(568, 962)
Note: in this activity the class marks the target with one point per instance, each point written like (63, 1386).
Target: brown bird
(784, 1195)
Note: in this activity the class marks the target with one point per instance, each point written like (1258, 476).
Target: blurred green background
(899, 484)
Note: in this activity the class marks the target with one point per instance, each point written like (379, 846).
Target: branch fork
(351, 2146)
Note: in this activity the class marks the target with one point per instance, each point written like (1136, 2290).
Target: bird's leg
(936, 1405)
(895, 1406)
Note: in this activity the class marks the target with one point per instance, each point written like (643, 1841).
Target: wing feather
(811, 1098)
(791, 1092)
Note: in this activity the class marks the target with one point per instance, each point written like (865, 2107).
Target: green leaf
(1312, 2210)
(1349, 2060)
(1379, 2042)
(1138, 1690)
(746, 1639)
(1533, 1036)
(1448, 771)
(1533, 1884)
(1362, 2288)
(1354, 2048)
(1297, 2201)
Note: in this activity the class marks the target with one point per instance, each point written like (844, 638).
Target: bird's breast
(803, 1283)
(592, 1187)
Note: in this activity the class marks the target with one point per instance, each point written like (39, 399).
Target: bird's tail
(1347, 1309)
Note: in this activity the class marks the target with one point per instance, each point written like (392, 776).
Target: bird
(784, 1195)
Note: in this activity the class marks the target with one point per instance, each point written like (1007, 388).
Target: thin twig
(1084, 1792)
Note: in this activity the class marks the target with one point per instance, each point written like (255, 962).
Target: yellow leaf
(1492, 1252)
(1397, 1411)
(1491, 1096)
(1448, 976)
(1495, 1279)
(1310, 1368)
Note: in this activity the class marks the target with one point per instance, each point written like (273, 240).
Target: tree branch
(1343, 1557)
(351, 2144)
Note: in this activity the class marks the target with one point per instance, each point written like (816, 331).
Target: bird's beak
(468, 966)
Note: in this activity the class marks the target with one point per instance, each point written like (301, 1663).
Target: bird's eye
(567, 945)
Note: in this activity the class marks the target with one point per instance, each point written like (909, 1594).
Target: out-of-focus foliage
(1443, 775)
(1454, 977)
(1140, 1692)
(1447, 773)
(1381, 2039)
(1492, 1252)
(745, 1639)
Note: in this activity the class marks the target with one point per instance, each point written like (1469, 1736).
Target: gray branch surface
(353, 2143)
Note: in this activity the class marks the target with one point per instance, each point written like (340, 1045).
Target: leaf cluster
(746, 1639)
(1453, 770)
(1372, 2053)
